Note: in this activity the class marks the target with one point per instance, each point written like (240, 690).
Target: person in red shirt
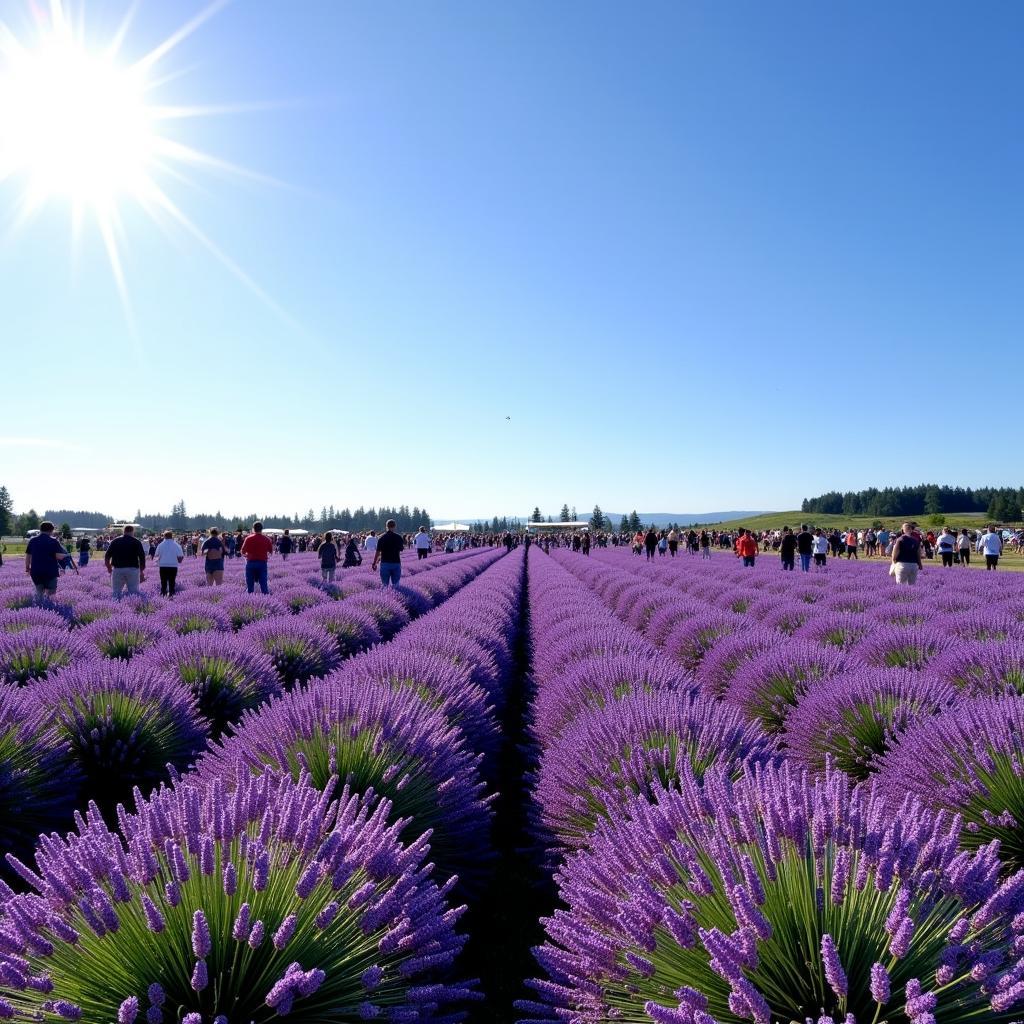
(256, 549)
(747, 548)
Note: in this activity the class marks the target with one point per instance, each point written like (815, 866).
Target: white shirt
(422, 541)
(370, 544)
(821, 545)
(991, 544)
(168, 551)
(946, 542)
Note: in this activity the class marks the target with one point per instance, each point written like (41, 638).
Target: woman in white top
(990, 544)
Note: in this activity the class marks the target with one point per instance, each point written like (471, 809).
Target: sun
(79, 125)
(75, 125)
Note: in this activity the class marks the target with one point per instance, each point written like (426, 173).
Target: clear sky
(702, 256)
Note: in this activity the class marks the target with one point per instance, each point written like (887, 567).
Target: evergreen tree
(26, 521)
(634, 522)
(536, 517)
(564, 516)
(6, 511)
(597, 520)
(575, 518)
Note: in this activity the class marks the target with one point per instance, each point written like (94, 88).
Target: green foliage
(6, 511)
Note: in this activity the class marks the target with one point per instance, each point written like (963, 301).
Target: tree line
(357, 521)
(1003, 504)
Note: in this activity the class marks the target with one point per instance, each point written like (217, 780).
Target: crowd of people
(127, 558)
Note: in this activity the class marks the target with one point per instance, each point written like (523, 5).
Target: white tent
(452, 528)
(577, 524)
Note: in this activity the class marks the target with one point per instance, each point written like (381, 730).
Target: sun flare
(79, 125)
(75, 125)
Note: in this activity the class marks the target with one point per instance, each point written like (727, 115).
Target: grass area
(1010, 561)
(777, 520)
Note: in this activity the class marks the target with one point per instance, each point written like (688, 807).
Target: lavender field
(519, 787)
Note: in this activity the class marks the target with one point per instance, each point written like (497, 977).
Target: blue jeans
(256, 572)
(83, 558)
(748, 561)
(805, 563)
(390, 572)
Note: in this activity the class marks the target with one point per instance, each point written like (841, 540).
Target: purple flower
(968, 760)
(225, 674)
(38, 652)
(616, 947)
(125, 722)
(606, 756)
(406, 918)
(853, 718)
(375, 738)
(299, 650)
(201, 943)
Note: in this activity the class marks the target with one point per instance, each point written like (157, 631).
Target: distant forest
(179, 519)
(999, 503)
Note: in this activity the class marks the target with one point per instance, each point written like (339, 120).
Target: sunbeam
(77, 126)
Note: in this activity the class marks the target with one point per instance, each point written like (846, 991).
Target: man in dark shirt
(787, 549)
(43, 557)
(805, 547)
(126, 562)
(389, 555)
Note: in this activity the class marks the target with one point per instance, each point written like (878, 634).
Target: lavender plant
(382, 743)
(300, 650)
(125, 723)
(38, 652)
(224, 674)
(262, 901)
(778, 899)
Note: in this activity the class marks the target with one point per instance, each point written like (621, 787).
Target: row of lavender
(317, 858)
(715, 864)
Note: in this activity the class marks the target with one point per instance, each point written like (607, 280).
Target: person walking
(805, 547)
(673, 542)
(747, 548)
(213, 554)
(821, 547)
(43, 557)
(352, 555)
(84, 547)
(370, 543)
(787, 549)
(906, 557)
(256, 549)
(851, 544)
(650, 543)
(285, 545)
(125, 560)
(328, 555)
(946, 543)
(422, 543)
(388, 555)
(963, 546)
(169, 555)
(990, 544)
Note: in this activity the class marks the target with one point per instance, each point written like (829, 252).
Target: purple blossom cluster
(763, 796)
(312, 861)
(855, 857)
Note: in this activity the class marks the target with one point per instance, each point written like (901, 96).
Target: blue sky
(703, 255)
